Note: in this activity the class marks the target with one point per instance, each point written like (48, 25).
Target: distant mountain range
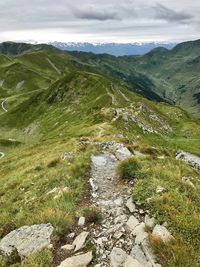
(115, 49)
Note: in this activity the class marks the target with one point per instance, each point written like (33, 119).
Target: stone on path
(130, 262)
(132, 223)
(81, 260)
(68, 247)
(150, 222)
(81, 221)
(80, 241)
(139, 255)
(162, 232)
(27, 240)
(130, 205)
(117, 257)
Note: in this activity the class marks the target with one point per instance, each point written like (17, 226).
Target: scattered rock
(162, 232)
(80, 241)
(26, 240)
(82, 260)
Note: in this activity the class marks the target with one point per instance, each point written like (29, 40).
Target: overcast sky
(100, 20)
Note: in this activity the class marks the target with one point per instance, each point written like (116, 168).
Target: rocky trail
(119, 239)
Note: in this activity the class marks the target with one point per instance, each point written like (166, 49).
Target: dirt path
(114, 102)
(124, 96)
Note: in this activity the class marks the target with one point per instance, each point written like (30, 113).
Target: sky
(108, 21)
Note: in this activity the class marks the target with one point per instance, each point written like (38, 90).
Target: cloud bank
(99, 21)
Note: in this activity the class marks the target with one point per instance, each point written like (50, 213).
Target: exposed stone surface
(162, 232)
(81, 260)
(190, 159)
(150, 222)
(123, 153)
(160, 190)
(132, 223)
(130, 262)
(26, 240)
(68, 247)
(80, 241)
(81, 221)
(130, 205)
(117, 257)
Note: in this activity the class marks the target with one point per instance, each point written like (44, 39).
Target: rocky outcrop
(26, 240)
(190, 159)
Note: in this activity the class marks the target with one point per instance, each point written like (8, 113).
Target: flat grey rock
(130, 205)
(132, 223)
(162, 232)
(81, 260)
(123, 153)
(117, 257)
(81, 221)
(150, 222)
(130, 262)
(139, 255)
(27, 240)
(80, 241)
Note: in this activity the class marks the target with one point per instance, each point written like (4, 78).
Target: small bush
(92, 215)
(129, 169)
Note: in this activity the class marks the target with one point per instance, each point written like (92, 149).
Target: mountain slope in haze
(115, 49)
(78, 107)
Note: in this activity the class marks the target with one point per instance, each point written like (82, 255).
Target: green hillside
(161, 74)
(67, 99)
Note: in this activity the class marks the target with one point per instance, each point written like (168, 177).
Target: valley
(88, 146)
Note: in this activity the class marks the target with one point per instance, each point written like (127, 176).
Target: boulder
(80, 241)
(161, 232)
(117, 257)
(81, 260)
(123, 153)
(27, 240)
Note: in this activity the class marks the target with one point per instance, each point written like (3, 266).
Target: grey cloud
(170, 15)
(95, 14)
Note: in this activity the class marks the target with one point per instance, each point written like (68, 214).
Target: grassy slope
(79, 104)
(160, 74)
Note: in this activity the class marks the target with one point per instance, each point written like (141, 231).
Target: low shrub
(129, 169)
